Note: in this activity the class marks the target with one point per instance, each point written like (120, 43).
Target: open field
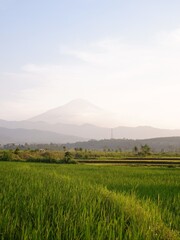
(50, 201)
(135, 162)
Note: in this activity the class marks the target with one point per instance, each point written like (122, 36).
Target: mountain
(85, 120)
(89, 131)
(144, 132)
(86, 131)
(21, 136)
(76, 112)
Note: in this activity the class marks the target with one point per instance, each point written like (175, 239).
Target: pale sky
(123, 56)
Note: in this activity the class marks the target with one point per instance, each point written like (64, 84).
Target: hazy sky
(123, 56)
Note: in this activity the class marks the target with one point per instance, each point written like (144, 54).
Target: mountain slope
(90, 131)
(75, 112)
(21, 136)
(144, 132)
(83, 119)
(87, 131)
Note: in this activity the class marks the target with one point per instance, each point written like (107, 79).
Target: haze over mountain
(121, 55)
(21, 136)
(78, 111)
(75, 119)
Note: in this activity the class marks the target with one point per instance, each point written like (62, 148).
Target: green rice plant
(42, 201)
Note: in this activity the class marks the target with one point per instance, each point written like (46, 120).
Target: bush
(6, 156)
(67, 157)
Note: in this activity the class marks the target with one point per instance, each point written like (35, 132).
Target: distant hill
(21, 136)
(89, 131)
(85, 120)
(143, 132)
(156, 144)
(32, 136)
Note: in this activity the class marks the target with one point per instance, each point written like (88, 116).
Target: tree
(64, 148)
(7, 156)
(145, 149)
(135, 150)
(16, 151)
(67, 157)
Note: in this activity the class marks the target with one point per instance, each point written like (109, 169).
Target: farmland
(50, 201)
(90, 156)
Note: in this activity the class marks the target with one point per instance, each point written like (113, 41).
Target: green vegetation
(36, 156)
(50, 201)
(79, 154)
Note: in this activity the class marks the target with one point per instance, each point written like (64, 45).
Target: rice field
(50, 201)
